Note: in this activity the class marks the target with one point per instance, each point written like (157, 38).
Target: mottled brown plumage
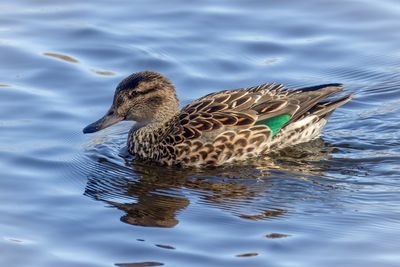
(222, 127)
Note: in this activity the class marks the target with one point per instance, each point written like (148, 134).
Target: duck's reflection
(153, 195)
(139, 192)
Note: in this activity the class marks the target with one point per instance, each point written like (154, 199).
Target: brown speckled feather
(220, 127)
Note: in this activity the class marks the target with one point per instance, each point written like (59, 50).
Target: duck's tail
(324, 109)
(313, 100)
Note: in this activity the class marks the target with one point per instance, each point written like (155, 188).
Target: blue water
(72, 200)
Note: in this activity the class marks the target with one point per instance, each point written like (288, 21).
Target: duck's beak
(109, 119)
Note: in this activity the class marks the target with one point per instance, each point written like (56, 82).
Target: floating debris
(140, 264)
(165, 246)
(276, 235)
(104, 72)
(264, 215)
(247, 255)
(62, 57)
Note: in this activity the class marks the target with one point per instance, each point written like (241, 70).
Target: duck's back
(235, 125)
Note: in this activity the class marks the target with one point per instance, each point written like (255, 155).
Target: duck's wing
(268, 104)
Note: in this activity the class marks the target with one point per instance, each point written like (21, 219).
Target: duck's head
(145, 97)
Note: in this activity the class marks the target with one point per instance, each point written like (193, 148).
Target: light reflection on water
(73, 200)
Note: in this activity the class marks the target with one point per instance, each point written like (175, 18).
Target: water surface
(72, 200)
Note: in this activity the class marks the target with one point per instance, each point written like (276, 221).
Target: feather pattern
(232, 125)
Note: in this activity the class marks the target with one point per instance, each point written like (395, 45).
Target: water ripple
(74, 200)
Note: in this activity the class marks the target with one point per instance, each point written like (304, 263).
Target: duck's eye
(119, 100)
(155, 100)
(132, 95)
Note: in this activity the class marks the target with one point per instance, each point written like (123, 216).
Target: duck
(224, 127)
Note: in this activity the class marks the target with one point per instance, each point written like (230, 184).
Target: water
(72, 200)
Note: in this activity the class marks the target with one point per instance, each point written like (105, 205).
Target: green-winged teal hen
(222, 127)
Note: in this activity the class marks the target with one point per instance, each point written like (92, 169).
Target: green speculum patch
(275, 123)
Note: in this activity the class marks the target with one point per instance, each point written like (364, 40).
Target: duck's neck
(145, 137)
(143, 140)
